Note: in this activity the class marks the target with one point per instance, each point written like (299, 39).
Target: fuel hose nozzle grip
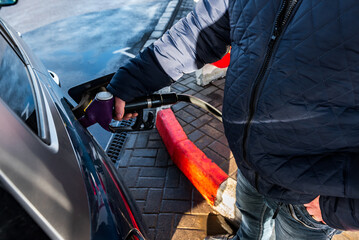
(100, 109)
(152, 101)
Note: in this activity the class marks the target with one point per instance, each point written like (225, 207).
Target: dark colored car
(55, 180)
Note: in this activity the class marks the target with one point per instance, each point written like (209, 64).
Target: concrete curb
(209, 179)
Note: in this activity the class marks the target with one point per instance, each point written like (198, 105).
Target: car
(55, 180)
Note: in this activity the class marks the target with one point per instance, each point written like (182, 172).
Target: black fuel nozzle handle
(141, 103)
(152, 101)
(101, 110)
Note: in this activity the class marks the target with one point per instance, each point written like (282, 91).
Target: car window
(15, 86)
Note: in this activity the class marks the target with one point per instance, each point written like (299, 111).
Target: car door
(38, 166)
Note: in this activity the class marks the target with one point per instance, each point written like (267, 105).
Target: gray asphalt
(28, 15)
(83, 40)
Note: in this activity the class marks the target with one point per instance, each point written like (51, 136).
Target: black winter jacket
(291, 103)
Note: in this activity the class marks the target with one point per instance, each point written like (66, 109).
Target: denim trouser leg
(292, 221)
(257, 222)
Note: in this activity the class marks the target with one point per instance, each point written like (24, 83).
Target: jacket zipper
(282, 18)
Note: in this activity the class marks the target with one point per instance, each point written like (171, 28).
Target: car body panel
(45, 177)
(61, 176)
(53, 188)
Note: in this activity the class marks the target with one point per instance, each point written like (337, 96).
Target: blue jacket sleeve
(201, 37)
(139, 77)
(340, 213)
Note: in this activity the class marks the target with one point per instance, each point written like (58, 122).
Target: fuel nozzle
(100, 110)
(141, 103)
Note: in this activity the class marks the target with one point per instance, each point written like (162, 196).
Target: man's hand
(313, 209)
(120, 110)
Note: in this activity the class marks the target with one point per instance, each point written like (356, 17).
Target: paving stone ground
(170, 205)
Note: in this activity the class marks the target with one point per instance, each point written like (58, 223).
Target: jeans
(291, 222)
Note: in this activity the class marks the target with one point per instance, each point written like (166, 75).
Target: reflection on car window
(15, 87)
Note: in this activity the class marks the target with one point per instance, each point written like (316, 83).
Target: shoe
(220, 237)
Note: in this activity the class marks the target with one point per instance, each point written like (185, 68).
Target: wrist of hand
(313, 208)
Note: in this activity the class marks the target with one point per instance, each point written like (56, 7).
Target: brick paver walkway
(171, 206)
